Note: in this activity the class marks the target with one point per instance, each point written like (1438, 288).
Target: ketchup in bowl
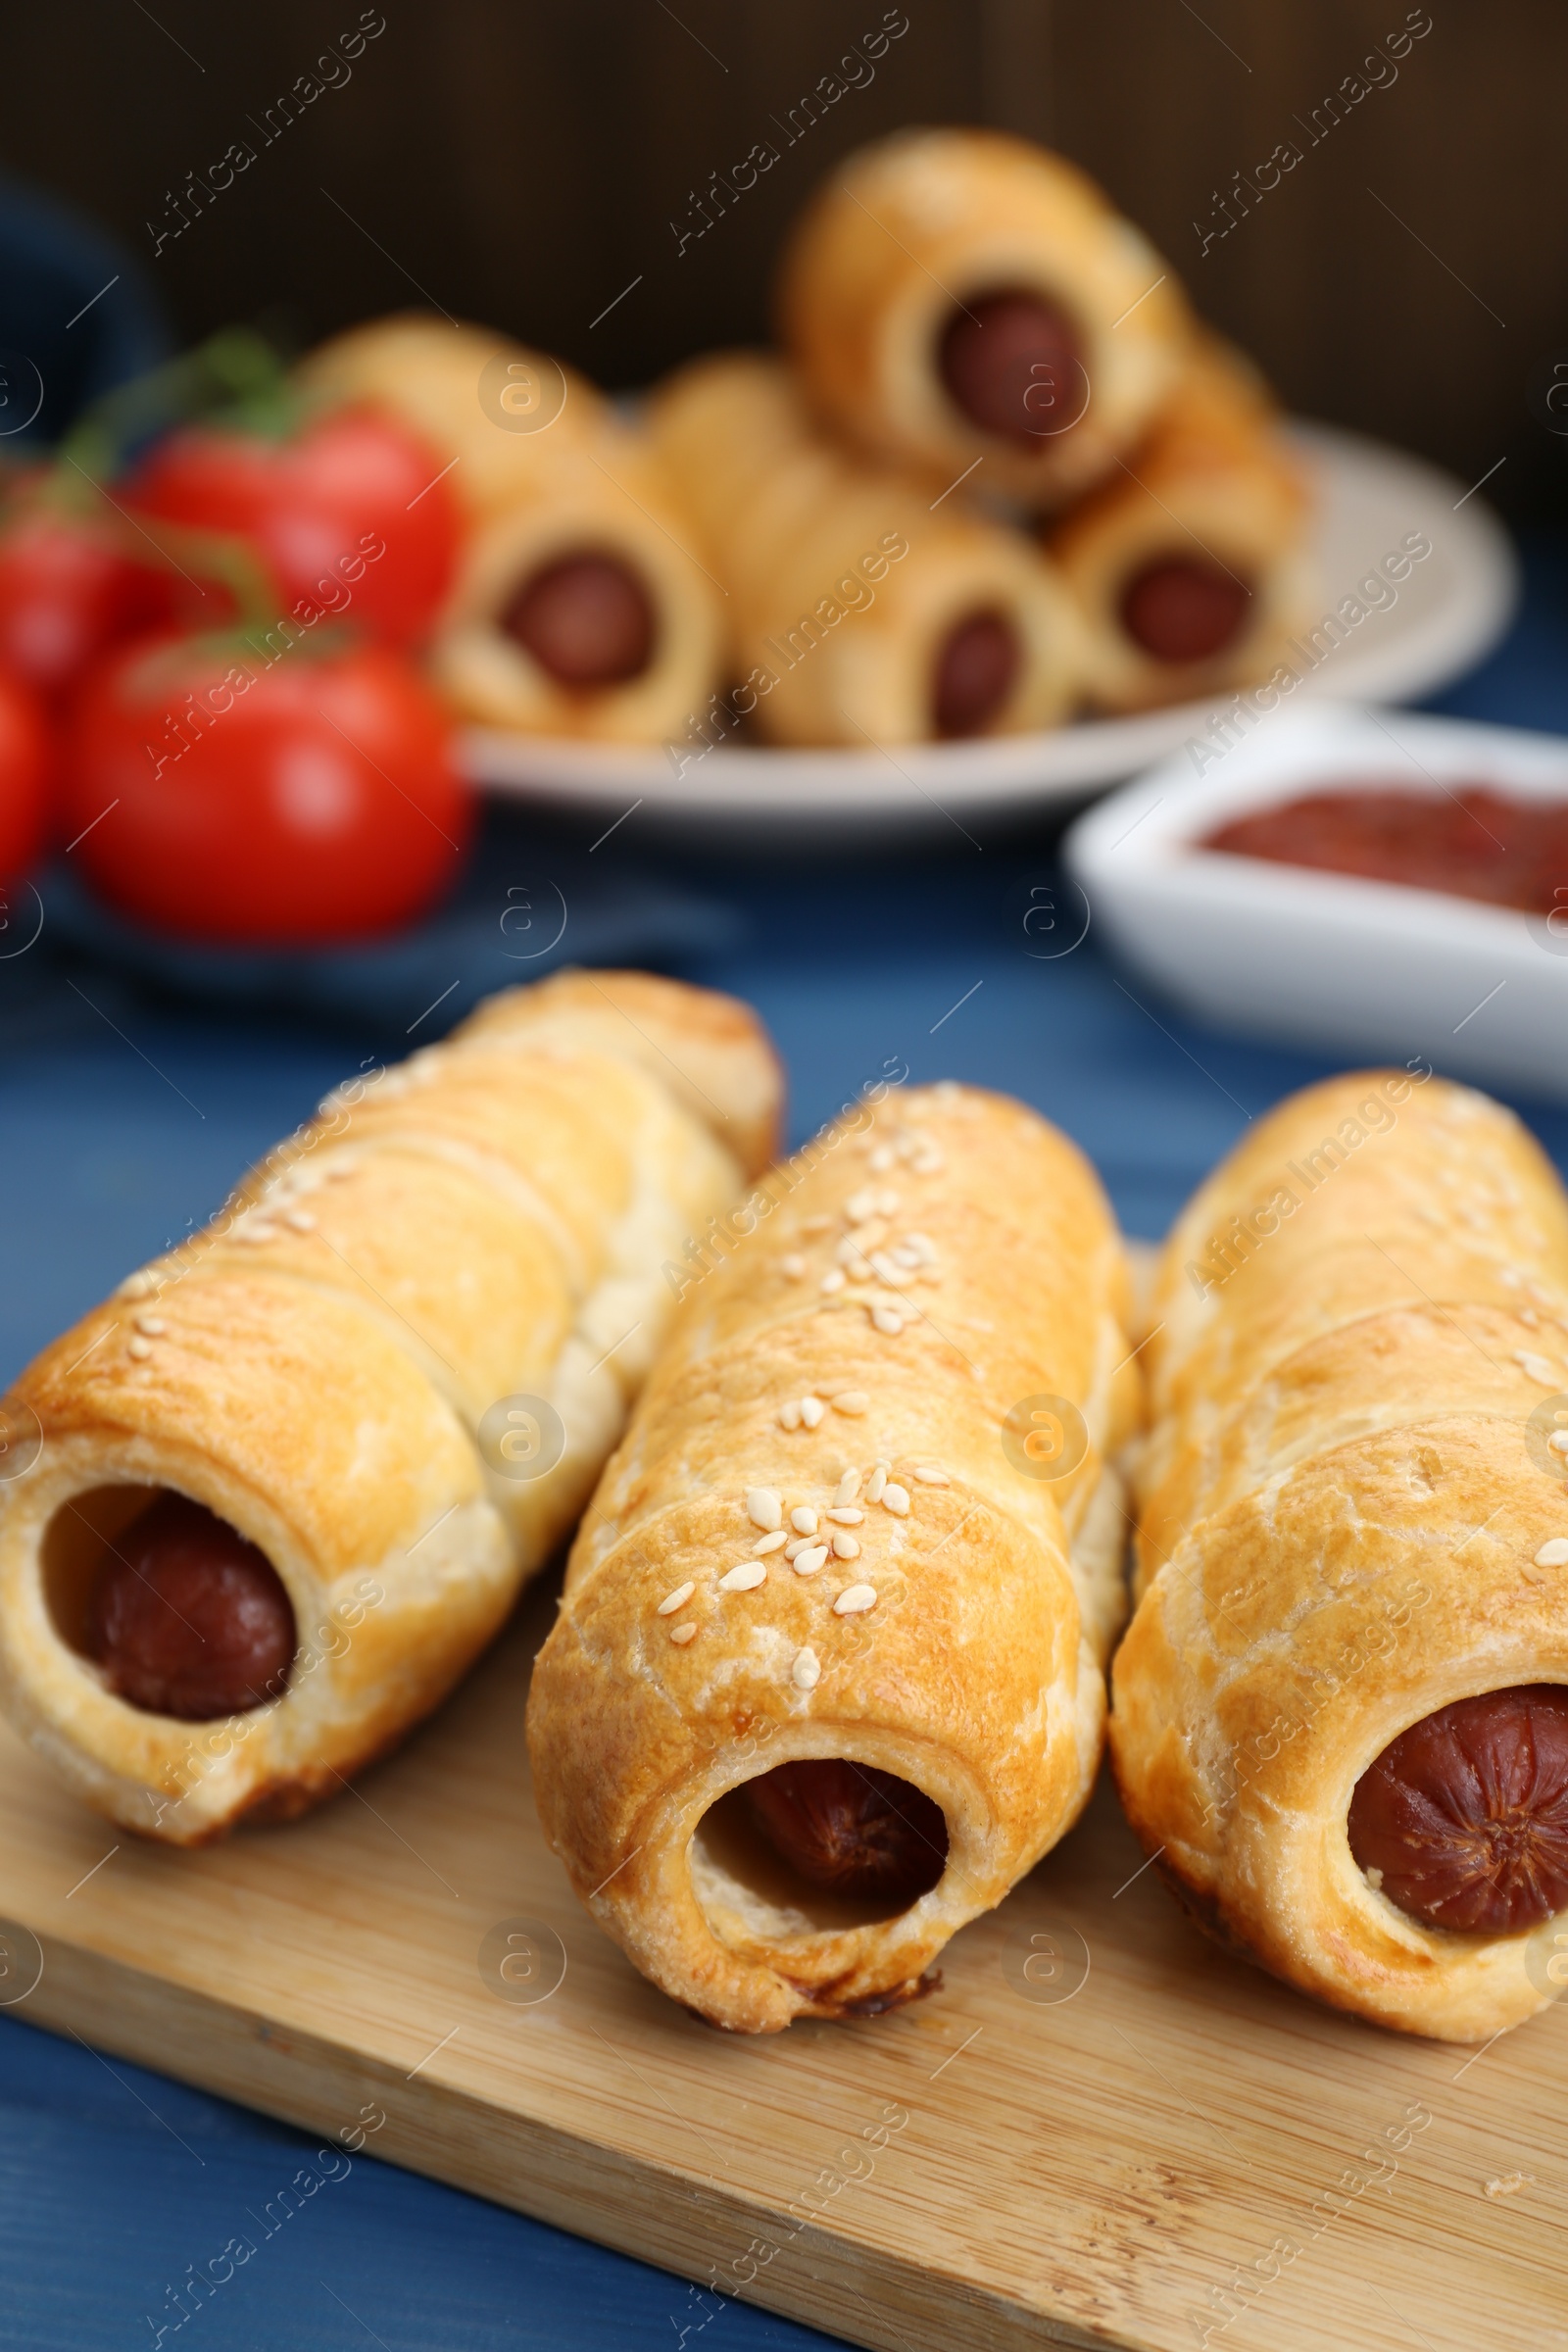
(1471, 841)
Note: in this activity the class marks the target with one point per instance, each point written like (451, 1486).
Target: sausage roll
(1340, 1712)
(860, 613)
(287, 1481)
(1189, 565)
(582, 607)
(953, 296)
(489, 404)
(828, 1673)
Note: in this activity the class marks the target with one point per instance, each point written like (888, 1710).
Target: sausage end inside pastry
(1463, 1820)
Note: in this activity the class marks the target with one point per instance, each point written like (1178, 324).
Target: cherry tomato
(25, 764)
(348, 516)
(67, 592)
(304, 798)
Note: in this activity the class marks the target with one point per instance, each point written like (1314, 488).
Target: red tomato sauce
(1473, 842)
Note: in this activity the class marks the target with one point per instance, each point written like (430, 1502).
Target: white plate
(1452, 608)
(1328, 960)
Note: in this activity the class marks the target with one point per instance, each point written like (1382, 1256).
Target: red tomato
(348, 516)
(67, 594)
(303, 799)
(25, 762)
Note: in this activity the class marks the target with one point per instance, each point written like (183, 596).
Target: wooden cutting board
(1100, 2132)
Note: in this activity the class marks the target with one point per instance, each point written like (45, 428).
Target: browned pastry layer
(860, 610)
(956, 299)
(1340, 1712)
(290, 1477)
(828, 1676)
(1191, 568)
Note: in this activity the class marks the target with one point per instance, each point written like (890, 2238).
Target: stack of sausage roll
(997, 475)
(833, 1665)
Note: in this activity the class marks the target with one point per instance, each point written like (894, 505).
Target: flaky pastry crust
(1343, 1499)
(926, 1267)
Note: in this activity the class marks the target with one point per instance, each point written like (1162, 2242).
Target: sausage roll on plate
(960, 299)
(860, 613)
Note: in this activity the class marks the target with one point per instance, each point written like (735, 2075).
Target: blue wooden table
(123, 1117)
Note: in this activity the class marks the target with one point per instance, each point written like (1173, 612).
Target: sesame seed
(139, 1349)
(929, 1163)
(887, 1320)
(1554, 1555)
(849, 1486)
(137, 1285)
(1537, 1366)
(845, 1548)
(1559, 1442)
(744, 1579)
(851, 1402)
(853, 1598)
(846, 1514)
(932, 1478)
(876, 1483)
(895, 1500)
(676, 1599)
(833, 1280)
(301, 1220)
(881, 1160)
(789, 1414)
(860, 1205)
(255, 1230)
(796, 1546)
(763, 1507)
(815, 1225)
(792, 1266)
(804, 1672)
(807, 1563)
(803, 1519)
(680, 1635)
(813, 1411)
(886, 1202)
(771, 1543)
(905, 1259)
(153, 1325)
(924, 1248)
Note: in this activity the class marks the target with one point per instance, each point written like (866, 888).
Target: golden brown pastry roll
(828, 1676)
(858, 612)
(482, 400)
(1189, 565)
(1340, 1712)
(582, 607)
(286, 1483)
(952, 296)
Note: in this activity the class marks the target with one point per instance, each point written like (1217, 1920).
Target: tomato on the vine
(306, 797)
(70, 589)
(351, 513)
(24, 763)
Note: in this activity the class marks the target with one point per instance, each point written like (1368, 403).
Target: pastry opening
(1185, 609)
(1011, 360)
(818, 1845)
(974, 672)
(586, 618)
(1462, 1820)
(182, 1615)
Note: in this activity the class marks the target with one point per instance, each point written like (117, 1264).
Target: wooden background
(521, 163)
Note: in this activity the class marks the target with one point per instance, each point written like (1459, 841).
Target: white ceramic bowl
(1348, 966)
